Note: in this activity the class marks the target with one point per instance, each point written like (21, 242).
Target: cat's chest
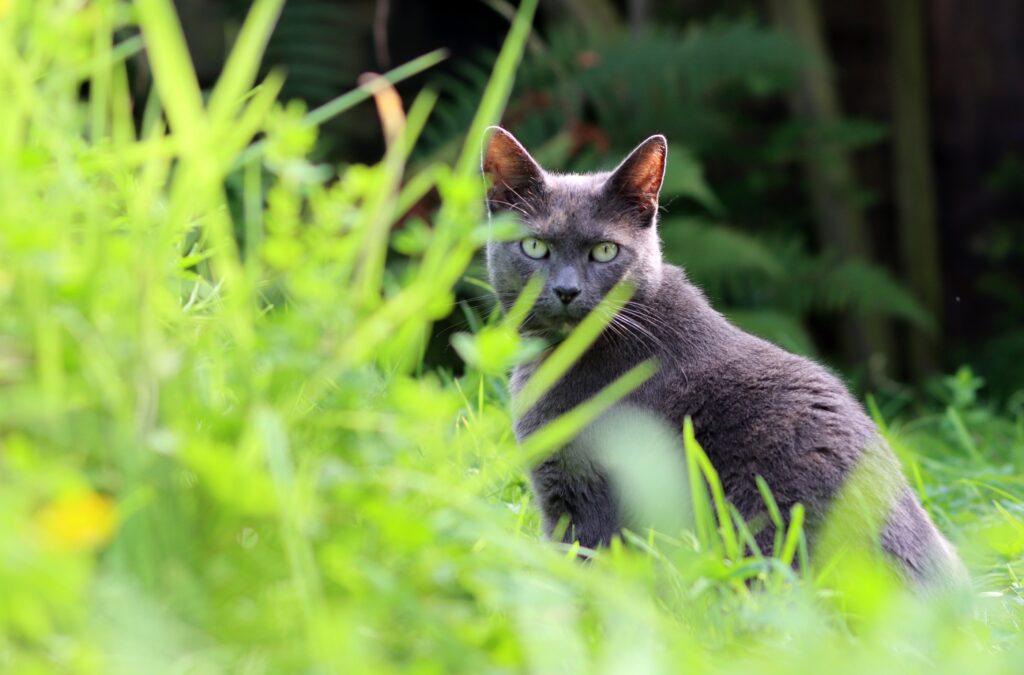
(581, 383)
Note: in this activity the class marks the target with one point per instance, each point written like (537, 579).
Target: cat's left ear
(637, 181)
(515, 177)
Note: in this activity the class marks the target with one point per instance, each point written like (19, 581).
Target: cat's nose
(566, 294)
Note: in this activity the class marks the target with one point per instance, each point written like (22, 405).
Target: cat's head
(583, 232)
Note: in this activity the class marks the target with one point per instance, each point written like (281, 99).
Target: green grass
(219, 451)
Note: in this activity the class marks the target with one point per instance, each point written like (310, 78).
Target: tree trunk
(639, 16)
(912, 168)
(839, 219)
(597, 17)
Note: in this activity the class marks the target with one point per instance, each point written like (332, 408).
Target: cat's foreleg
(577, 501)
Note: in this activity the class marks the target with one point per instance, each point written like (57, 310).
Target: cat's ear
(637, 181)
(514, 176)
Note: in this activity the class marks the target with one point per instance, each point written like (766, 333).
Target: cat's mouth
(554, 322)
(557, 327)
(561, 326)
(565, 327)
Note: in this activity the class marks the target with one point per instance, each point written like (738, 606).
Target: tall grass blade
(498, 87)
(243, 62)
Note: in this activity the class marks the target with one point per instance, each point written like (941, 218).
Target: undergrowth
(219, 451)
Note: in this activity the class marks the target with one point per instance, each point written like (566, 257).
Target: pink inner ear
(650, 170)
(508, 164)
(648, 182)
(641, 174)
(504, 155)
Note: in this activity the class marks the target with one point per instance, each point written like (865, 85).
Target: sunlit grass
(219, 450)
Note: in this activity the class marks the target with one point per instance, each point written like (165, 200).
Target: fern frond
(859, 286)
(720, 259)
(783, 329)
(684, 85)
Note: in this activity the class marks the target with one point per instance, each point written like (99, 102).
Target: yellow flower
(77, 521)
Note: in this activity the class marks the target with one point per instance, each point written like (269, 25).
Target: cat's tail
(876, 507)
(923, 556)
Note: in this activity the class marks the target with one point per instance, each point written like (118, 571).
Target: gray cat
(757, 410)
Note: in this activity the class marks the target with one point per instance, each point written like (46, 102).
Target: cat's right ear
(514, 177)
(636, 182)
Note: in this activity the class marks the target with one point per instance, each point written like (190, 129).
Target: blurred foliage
(218, 457)
(692, 85)
(305, 45)
(998, 248)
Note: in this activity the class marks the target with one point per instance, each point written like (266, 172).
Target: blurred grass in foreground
(222, 457)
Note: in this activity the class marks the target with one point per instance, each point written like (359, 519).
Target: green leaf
(684, 176)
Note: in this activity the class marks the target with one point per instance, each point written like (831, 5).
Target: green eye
(604, 252)
(534, 248)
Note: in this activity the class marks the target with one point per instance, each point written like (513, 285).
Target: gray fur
(756, 409)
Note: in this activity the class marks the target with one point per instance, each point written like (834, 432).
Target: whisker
(525, 201)
(648, 317)
(514, 207)
(638, 329)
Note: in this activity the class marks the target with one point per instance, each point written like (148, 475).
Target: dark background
(864, 160)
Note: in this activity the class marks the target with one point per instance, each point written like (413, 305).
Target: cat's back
(771, 414)
(760, 390)
(760, 410)
(729, 380)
